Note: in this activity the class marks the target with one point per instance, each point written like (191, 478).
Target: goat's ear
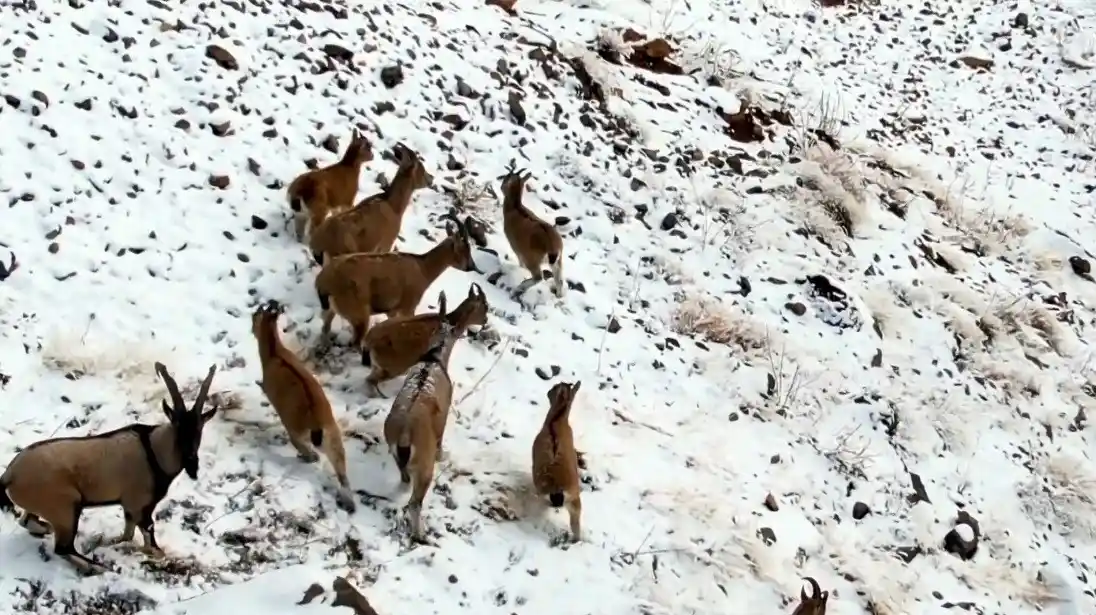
(169, 412)
(208, 414)
(576, 386)
(441, 303)
(474, 290)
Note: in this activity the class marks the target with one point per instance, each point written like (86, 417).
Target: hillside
(829, 286)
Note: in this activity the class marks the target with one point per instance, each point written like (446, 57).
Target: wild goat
(555, 462)
(357, 286)
(314, 195)
(531, 238)
(815, 604)
(415, 425)
(374, 223)
(394, 345)
(54, 480)
(299, 400)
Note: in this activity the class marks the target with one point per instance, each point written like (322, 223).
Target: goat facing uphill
(393, 346)
(531, 238)
(374, 223)
(316, 194)
(299, 400)
(815, 604)
(415, 425)
(555, 462)
(54, 480)
(357, 286)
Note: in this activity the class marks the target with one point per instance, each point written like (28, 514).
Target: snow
(978, 380)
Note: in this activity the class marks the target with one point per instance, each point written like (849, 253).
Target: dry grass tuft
(708, 319)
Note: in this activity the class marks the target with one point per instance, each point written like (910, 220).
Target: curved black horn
(203, 391)
(172, 387)
(816, 591)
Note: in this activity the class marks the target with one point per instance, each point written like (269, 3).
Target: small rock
(767, 535)
(40, 97)
(613, 326)
(331, 144)
(1080, 265)
(860, 510)
(542, 373)
(258, 223)
(222, 57)
(391, 76)
(219, 181)
(770, 503)
(338, 52)
(1020, 20)
(668, 222)
(796, 308)
(221, 129)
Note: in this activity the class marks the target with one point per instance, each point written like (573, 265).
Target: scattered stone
(860, 510)
(391, 76)
(222, 57)
(221, 129)
(219, 181)
(613, 326)
(770, 503)
(338, 52)
(796, 308)
(1080, 266)
(963, 539)
(668, 222)
(1020, 21)
(40, 97)
(975, 63)
(331, 144)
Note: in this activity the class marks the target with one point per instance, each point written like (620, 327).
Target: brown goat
(357, 286)
(531, 238)
(555, 462)
(393, 346)
(374, 223)
(815, 604)
(316, 194)
(299, 400)
(415, 426)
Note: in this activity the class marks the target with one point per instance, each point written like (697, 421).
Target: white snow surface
(973, 372)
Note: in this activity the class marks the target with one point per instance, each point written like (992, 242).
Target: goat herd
(54, 480)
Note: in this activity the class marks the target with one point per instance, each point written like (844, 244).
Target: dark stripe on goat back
(161, 480)
(90, 437)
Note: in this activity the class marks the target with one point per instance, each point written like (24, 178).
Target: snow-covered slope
(837, 329)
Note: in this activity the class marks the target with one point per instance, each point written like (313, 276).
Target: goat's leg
(34, 525)
(555, 261)
(536, 275)
(126, 535)
(373, 381)
(300, 222)
(423, 474)
(574, 511)
(336, 454)
(305, 452)
(64, 545)
(148, 532)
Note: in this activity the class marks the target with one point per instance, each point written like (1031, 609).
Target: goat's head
(563, 393)
(264, 316)
(360, 150)
(187, 421)
(514, 180)
(472, 311)
(815, 604)
(461, 245)
(411, 163)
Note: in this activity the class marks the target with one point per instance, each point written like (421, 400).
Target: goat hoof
(308, 457)
(346, 502)
(154, 552)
